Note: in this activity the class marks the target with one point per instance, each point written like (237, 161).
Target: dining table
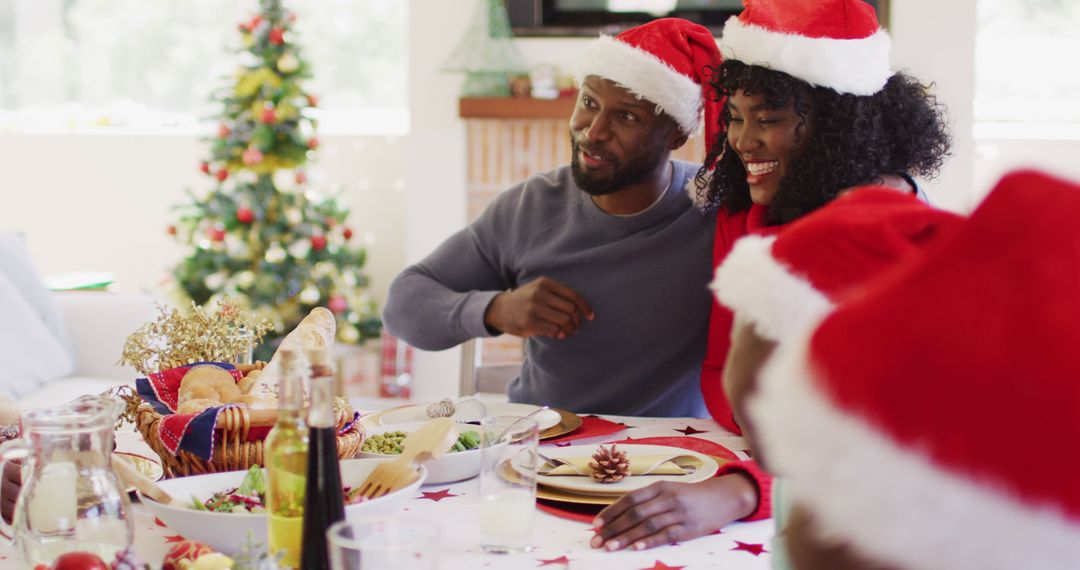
(559, 542)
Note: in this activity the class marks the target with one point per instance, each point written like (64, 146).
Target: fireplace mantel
(515, 108)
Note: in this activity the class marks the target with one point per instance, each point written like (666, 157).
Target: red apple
(79, 561)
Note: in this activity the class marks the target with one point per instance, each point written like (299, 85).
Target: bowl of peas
(460, 462)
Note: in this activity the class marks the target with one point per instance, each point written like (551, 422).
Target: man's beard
(637, 168)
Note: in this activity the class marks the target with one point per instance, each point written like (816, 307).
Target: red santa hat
(829, 43)
(931, 423)
(778, 283)
(667, 62)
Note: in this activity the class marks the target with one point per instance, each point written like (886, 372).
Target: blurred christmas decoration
(262, 236)
(487, 53)
(176, 338)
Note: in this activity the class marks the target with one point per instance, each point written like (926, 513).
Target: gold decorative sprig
(177, 338)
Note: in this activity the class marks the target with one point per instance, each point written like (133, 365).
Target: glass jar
(71, 501)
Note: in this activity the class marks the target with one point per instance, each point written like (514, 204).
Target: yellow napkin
(639, 465)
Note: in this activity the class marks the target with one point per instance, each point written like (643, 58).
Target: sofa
(97, 323)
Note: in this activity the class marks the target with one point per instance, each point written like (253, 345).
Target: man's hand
(9, 489)
(543, 307)
(667, 512)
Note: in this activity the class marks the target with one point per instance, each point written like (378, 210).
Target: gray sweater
(645, 277)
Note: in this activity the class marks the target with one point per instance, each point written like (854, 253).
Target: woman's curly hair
(852, 139)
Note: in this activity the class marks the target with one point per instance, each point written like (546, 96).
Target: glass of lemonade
(508, 452)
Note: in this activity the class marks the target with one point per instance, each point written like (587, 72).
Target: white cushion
(16, 265)
(30, 355)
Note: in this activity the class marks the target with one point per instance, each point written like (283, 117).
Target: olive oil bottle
(286, 455)
(324, 503)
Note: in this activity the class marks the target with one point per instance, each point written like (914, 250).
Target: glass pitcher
(71, 501)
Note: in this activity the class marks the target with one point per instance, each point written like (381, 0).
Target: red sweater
(729, 228)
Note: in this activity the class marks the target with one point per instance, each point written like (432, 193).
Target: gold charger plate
(568, 422)
(145, 465)
(543, 492)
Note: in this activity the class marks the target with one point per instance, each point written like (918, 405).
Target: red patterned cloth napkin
(586, 513)
(591, 426)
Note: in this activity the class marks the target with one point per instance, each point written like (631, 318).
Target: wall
(101, 202)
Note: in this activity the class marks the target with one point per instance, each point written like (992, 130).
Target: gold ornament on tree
(609, 465)
(177, 338)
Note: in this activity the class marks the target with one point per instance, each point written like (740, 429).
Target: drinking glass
(384, 544)
(508, 455)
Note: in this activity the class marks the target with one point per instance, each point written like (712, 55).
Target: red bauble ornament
(313, 143)
(313, 100)
(204, 167)
(245, 215)
(223, 131)
(217, 234)
(346, 233)
(170, 229)
(277, 36)
(79, 561)
(221, 175)
(318, 243)
(268, 116)
(301, 177)
(185, 550)
(337, 304)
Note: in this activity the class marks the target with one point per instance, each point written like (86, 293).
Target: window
(147, 65)
(1026, 66)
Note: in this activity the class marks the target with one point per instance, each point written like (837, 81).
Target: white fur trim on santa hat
(760, 290)
(892, 503)
(858, 67)
(646, 75)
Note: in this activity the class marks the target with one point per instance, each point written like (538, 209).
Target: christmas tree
(261, 235)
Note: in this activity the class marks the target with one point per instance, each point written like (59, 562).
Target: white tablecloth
(560, 543)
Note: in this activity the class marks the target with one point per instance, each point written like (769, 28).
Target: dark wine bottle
(324, 503)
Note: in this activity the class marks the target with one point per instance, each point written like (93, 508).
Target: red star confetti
(437, 495)
(560, 560)
(689, 430)
(661, 566)
(158, 522)
(173, 538)
(754, 549)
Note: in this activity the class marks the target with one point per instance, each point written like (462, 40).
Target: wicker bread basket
(232, 450)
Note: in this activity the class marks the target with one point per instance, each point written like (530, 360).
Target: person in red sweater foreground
(926, 423)
(811, 109)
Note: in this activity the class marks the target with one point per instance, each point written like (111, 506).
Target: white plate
(588, 486)
(451, 467)
(418, 413)
(227, 532)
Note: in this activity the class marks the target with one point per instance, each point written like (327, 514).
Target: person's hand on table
(667, 512)
(9, 489)
(543, 307)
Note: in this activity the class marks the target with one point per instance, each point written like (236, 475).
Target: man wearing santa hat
(602, 265)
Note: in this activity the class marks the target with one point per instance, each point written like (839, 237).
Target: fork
(428, 442)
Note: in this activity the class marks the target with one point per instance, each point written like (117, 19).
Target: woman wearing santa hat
(811, 109)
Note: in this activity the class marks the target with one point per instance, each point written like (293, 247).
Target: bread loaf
(316, 331)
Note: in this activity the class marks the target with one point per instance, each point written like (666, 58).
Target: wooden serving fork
(431, 440)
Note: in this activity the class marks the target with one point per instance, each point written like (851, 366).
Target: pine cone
(610, 466)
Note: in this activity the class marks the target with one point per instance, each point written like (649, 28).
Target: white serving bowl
(227, 532)
(451, 467)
